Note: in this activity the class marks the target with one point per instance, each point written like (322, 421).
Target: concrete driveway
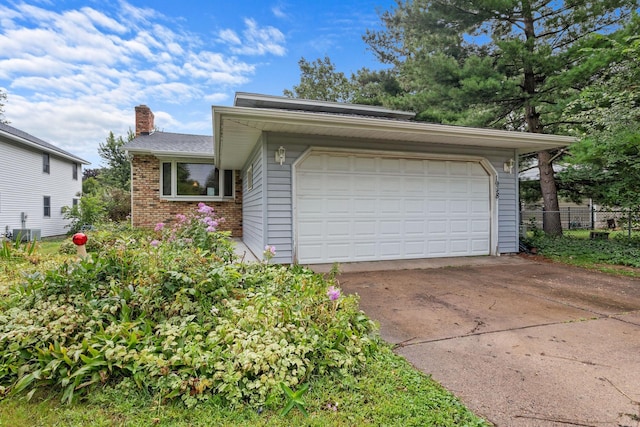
(521, 342)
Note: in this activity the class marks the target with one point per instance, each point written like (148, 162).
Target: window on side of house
(47, 206)
(74, 202)
(45, 163)
(201, 180)
(74, 171)
(250, 178)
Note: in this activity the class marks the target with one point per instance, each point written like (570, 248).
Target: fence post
(629, 233)
(593, 217)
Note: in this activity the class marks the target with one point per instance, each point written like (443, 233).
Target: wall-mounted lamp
(508, 166)
(280, 155)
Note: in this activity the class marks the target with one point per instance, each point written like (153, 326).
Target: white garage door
(352, 207)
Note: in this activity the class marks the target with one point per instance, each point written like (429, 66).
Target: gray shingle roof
(50, 148)
(171, 144)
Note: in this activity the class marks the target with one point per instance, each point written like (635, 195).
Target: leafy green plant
(589, 253)
(170, 314)
(294, 399)
(18, 247)
(89, 211)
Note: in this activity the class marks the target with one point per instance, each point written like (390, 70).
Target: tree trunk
(551, 221)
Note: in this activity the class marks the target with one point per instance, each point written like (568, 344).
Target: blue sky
(75, 70)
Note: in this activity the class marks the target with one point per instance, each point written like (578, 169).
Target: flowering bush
(171, 313)
(198, 229)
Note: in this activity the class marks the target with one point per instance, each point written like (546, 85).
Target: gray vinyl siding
(279, 226)
(253, 206)
(23, 186)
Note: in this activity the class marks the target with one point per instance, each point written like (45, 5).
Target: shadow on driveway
(522, 343)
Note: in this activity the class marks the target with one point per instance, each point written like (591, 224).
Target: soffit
(237, 129)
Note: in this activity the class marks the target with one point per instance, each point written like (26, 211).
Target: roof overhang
(237, 129)
(169, 154)
(24, 141)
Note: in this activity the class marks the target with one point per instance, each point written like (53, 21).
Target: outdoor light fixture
(508, 166)
(280, 155)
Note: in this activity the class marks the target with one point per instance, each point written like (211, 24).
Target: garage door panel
(460, 207)
(364, 206)
(391, 228)
(361, 207)
(364, 229)
(459, 226)
(436, 248)
(414, 248)
(480, 226)
(390, 249)
(437, 226)
(337, 228)
(389, 165)
(414, 227)
(311, 229)
(435, 167)
(414, 206)
(338, 206)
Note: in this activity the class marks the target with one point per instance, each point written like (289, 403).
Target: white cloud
(278, 12)
(74, 75)
(255, 40)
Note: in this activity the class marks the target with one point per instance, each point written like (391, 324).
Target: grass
(618, 254)
(388, 392)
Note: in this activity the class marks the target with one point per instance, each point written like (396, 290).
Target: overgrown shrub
(172, 313)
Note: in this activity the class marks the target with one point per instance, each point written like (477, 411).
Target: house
(36, 180)
(171, 173)
(329, 182)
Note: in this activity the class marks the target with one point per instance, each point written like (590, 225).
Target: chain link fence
(584, 218)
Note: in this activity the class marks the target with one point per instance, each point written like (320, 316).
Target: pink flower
(271, 250)
(155, 243)
(159, 226)
(203, 208)
(181, 217)
(333, 293)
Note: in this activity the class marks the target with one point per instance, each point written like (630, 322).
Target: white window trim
(174, 184)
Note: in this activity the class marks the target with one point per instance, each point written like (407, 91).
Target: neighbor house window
(45, 163)
(74, 171)
(74, 202)
(195, 180)
(47, 206)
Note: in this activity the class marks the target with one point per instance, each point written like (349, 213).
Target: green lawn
(389, 393)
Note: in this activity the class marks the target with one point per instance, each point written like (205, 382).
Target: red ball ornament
(79, 239)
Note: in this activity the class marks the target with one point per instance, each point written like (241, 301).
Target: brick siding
(148, 209)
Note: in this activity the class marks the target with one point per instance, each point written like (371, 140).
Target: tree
(606, 161)
(493, 63)
(118, 170)
(319, 80)
(3, 100)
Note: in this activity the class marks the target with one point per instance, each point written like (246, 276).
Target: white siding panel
(253, 204)
(23, 186)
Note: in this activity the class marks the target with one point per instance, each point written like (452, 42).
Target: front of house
(327, 182)
(37, 179)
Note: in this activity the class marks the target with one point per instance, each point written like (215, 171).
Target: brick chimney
(144, 120)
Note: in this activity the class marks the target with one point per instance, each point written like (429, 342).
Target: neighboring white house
(36, 180)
